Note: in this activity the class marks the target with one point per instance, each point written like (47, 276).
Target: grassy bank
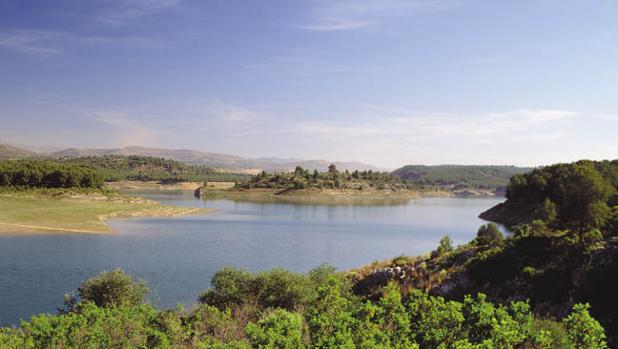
(79, 212)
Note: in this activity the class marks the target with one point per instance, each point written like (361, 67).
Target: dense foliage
(47, 174)
(578, 196)
(459, 176)
(562, 248)
(323, 313)
(144, 168)
(333, 179)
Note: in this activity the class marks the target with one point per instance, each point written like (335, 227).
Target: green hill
(562, 248)
(459, 176)
(144, 168)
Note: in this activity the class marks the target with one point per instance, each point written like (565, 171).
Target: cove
(177, 256)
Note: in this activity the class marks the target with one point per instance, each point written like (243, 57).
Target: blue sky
(387, 82)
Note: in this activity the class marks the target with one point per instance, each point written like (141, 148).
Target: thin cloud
(342, 15)
(31, 42)
(120, 12)
(129, 41)
(44, 43)
(128, 130)
(230, 112)
(430, 127)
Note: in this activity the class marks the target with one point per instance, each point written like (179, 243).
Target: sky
(384, 82)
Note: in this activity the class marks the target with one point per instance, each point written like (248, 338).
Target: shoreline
(331, 196)
(37, 213)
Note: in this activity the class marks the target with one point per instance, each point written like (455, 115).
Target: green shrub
(279, 329)
(434, 321)
(330, 319)
(109, 289)
(229, 286)
(583, 331)
(488, 234)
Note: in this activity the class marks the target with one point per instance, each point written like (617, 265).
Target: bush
(434, 321)
(329, 318)
(114, 288)
(279, 329)
(229, 286)
(445, 246)
(333, 318)
(488, 234)
(583, 331)
(92, 327)
(276, 288)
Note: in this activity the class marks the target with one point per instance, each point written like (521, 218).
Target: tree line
(579, 196)
(459, 176)
(92, 172)
(47, 174)
(332, 179)
(116, 168)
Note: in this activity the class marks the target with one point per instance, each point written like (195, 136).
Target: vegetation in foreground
(563, 248)
(459, 177)
(281, 309)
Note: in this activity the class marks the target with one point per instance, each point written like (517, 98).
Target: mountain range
(227, 162)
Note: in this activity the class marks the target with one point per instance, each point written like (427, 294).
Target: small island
(331, 187)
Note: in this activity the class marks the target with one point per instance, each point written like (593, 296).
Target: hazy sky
(386, 82)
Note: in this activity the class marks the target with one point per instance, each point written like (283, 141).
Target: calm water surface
(179, 255)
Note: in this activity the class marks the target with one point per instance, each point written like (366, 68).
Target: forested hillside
(459, 176)
(145, 168)
(575, 196)
(562, 249)
(47, 174)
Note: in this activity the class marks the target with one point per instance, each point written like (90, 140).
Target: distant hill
(11, 152)
(115, 168)
(216, 160)
(471, 176)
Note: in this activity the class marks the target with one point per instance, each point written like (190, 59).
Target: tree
(115, 288)
(229, 286)
(584, 193)
(548, 212)
(583, 330)
(332, 169)
(299, 171)
(488, 234)
(445, 246)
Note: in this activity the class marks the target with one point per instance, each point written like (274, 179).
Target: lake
(178, 256)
